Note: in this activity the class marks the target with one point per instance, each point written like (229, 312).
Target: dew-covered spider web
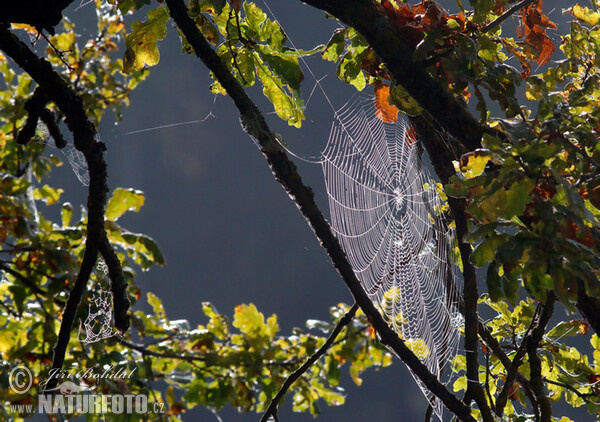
(388, 215)
(98, 324)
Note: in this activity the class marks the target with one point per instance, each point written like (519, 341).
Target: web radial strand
(388, 216)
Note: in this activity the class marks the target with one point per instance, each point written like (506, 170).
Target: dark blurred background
(229, 232)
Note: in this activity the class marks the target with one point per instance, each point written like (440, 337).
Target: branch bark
(513, 369)
(441, 157)
(71, 105)
(470, 296)
(535, 364)
(506, 15)
(285, 173)
(396, 53)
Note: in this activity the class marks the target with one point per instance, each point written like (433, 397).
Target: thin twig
(535, 364)
(506, 15)
(493, 344)
(28, 283)
(583, 396)
(511, 372)
(272, 409)
(147, 352)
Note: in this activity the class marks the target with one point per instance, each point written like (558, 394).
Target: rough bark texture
(397, 54)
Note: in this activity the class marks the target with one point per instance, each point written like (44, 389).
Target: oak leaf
(386, 112)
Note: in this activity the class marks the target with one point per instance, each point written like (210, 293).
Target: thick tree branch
(397, 54)
(470, 296)
(57, 90)
(36, 109)
(43, 14)
(285, 173)
(441, 157)
(272, 409)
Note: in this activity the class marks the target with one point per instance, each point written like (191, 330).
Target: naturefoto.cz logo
(70, 397)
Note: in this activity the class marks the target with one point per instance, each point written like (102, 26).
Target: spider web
(98, 324)
(387, 214)
(75, 158)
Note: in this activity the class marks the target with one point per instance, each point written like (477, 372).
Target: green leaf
(254, 16)
(156, 304)
(287, 107)
(568, 328)
(585, 15)
(124, 200)
(473, 163)
(145, 250)
(141, 44)
(517, 197)
(336, 45)
(404, 101)
(285, 66)
(486, 251)
(47, 194)
(66, 213)
(250, 321)
(494, 283)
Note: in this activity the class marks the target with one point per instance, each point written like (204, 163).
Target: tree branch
(285, 173)
(272, 409)
(147, 352)
(513, 369)
(493, 344)
(470, 296)
(71, 105)
(397, 53)
(28, 283)
(535, 364)
(584, 396)
(44, 14)
(441, 157)
(506, 15)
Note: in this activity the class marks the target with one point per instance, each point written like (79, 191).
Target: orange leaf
(544, 45)
(386, 112)
(533, 24)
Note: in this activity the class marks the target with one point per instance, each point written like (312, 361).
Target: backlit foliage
(532, 193)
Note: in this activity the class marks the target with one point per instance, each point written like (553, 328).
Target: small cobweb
(388, 216)
(75, 157)
(98, 324)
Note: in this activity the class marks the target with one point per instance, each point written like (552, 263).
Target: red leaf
(533, 24)
(435, 16)
(544, 45)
